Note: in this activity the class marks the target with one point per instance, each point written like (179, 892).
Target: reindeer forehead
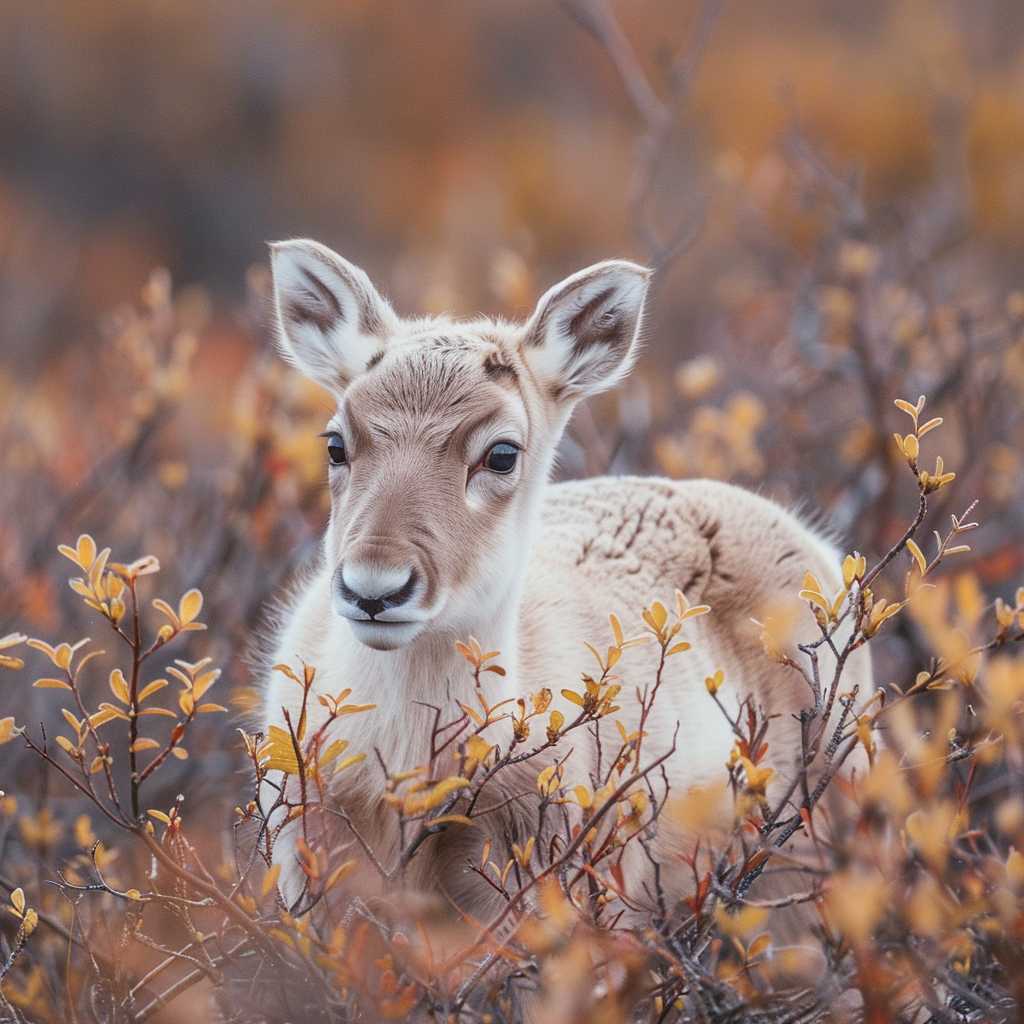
(439, 379)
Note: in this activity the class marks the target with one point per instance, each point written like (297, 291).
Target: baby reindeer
(444, 525)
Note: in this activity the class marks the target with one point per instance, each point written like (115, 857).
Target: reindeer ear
(582, 337)
(331, 321)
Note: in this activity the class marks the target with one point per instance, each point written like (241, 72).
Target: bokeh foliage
(843, 188)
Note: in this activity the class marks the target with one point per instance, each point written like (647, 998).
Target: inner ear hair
(600, 322)
(332, 321)
(582, 337)
(315, 304)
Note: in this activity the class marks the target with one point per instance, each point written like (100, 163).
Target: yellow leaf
(548, 779)
(164, 608)
(477, 749)
(150, 688)
(159, 816)
(206, 709)
(278, 752)
(347, 762)
(572, 697)
(505, 870)
(12, 640)
(470, 655)
(756, 778)
(144, 566)
(86, 550)
(695, 612)
(42, 645)
(144, 743)
(583, 797)
(523, 853)
(742, 922)
(659, 613)
(6, 729)
(421, 802)
(815, 598)
(854, 567)
(332, 752)
(28, 924)
(355, 709)
(449, 819)
(555, 723)
(286, 670)
(616, 628)
(595, 652)
(18, 900)
(811, 582)
(51, 684)
(712, 683)
(471, 713)
(180, 753)
(270, 881)
(116, 712)
(204, 682)
(68, 552)
(119, 686)
(190, 605)
(82, 554)
(918, 555)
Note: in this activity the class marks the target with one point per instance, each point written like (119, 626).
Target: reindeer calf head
(444, 432)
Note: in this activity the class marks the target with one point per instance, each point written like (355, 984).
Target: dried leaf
(270, 881)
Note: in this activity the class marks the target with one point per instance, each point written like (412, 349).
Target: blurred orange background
(431, 141)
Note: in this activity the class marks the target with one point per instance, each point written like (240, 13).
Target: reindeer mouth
(384, 634)
(378, 621)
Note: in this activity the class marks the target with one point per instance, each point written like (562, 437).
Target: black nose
(373, 606)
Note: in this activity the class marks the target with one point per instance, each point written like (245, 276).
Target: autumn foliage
(801, 308)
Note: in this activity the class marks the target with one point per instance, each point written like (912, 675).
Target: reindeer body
(428, 544)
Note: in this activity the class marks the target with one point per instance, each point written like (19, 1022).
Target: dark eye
(501, 458)
(336, 449)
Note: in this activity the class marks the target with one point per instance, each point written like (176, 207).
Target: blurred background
(831, 193)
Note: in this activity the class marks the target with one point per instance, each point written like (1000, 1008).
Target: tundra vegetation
(138, 871)
(915, 884)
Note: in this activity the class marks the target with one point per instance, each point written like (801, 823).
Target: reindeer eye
(501, 458)
(336, 449)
